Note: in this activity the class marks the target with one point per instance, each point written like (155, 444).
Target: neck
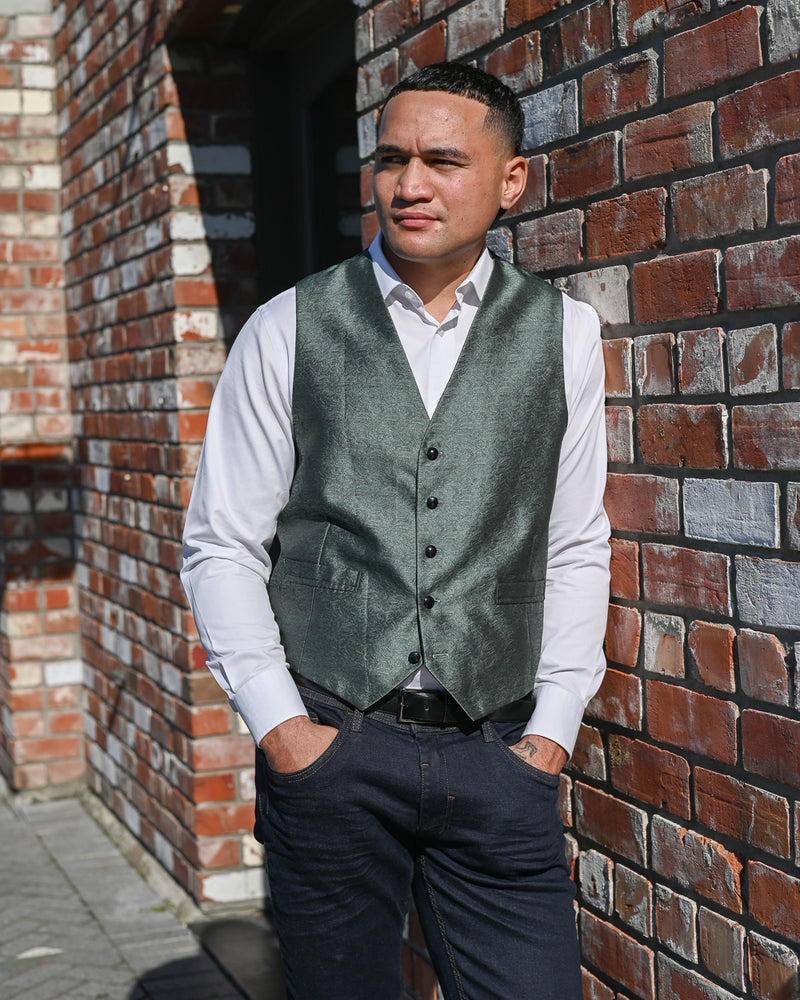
(434, 282)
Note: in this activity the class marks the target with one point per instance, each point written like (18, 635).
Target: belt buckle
(401, 708)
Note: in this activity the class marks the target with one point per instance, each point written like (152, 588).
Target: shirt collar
(389, 281)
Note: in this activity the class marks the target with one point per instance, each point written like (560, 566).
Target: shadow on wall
(245, 949)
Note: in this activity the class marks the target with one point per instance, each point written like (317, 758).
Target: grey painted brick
(768, 592)
(731, 511)
(550, 115)
(605, 288)
(783, 29)
(596, 881)
(793, 514)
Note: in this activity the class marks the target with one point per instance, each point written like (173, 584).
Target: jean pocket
(321, 762)
(522, 766)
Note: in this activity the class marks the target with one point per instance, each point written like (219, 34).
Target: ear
(516, 174)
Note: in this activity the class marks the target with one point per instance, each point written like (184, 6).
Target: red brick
(221, 752)
(218, 853)
(625, 569)
(697, 863)
(766, 437)
(615, 825)
(213, 788)
(787, 190)
(619, 434)
(617, 360)
(617, 955)
(619, 88)
(642, 503)
(518, 63)
(663, 644)
(639, 18)
(551, 242)
(742, 811)
(790, 355)
(769, 746)
(593, 989)
(712, 649)
(712, 53)
(579, 37)
(648, 774)
(376, 78)
(672, 287)
(619, 700)
(519, 12)
(632, 223)
(763, 275)
(369, 228)
(52, 748)
(675, 922)
(216, 819)
(692, 721)
(731, 201)
(534, 197)
(722, 947)
(773, 969)
(775, 900)
(680, 435)
(675, 141)
(585, 168)
(423, 49)
(623, 634)
(762, 667)
(393, 18)
(761, 116)
(678, 983)
(588, 757)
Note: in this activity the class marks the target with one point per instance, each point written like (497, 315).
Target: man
(422, 429)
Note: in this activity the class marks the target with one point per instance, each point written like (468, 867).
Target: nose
(413, 183)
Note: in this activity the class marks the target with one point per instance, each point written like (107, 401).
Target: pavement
(79, 922)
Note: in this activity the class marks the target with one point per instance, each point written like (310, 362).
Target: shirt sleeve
(242, 483)
(572, 663)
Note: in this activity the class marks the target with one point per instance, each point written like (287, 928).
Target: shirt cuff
(267, 699)
(557, 716)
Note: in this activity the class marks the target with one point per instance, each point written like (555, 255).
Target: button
(432, 453)
(432, 502)
(428, 601)
(414, 657)
(430, 551)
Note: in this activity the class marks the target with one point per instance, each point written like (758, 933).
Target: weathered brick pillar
(663, 138)
(159, 261)
(40, 673)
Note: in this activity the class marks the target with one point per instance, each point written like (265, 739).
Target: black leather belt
(433, 707)
(437, 708)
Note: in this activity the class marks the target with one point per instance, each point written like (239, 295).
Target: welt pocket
(519, 591)
(320, 575)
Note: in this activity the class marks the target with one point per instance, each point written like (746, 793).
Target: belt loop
(488, 733)
(358, 718)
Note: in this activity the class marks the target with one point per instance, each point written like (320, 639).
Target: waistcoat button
(428, 601)
(432, 453)
(432, 502)
(414, 657)
(430, 551)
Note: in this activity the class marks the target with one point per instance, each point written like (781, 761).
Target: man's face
(440, 177)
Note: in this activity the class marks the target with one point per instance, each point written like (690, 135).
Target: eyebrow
(450, 152)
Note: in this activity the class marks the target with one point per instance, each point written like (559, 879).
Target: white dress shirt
(246, 469)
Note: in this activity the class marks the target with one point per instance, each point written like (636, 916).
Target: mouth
(413, 220)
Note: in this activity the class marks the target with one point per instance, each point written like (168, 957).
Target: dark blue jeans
(455, 819)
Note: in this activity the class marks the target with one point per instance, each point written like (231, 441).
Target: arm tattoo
(527, 749)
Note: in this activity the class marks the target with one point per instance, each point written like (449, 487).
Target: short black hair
(504, 115)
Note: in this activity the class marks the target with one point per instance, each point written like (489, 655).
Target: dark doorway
(305, 156)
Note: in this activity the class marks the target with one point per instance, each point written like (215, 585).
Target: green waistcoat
(412, 540)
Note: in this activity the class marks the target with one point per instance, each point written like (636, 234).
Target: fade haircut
(504, 115)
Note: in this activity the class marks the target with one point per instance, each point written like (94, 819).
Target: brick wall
(157, 228)
(663, 138)
(40, 672)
